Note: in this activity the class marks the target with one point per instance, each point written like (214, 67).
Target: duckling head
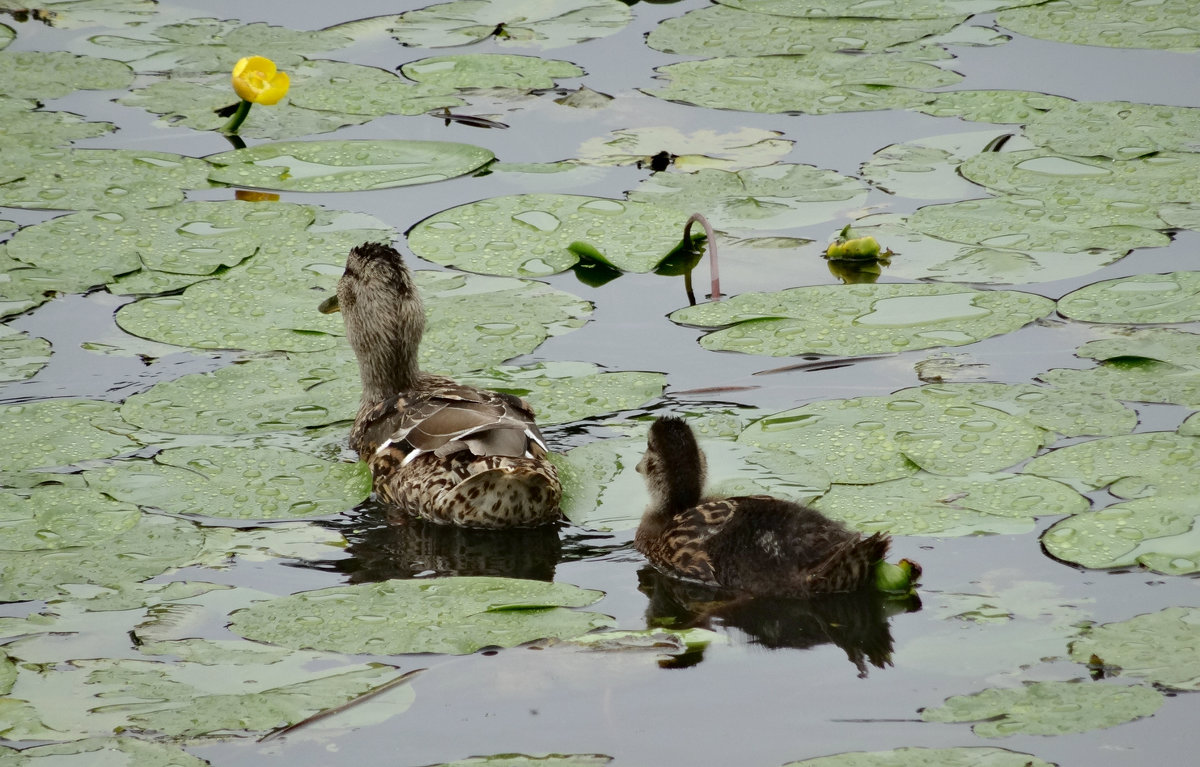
(673, 465)
(384, 318)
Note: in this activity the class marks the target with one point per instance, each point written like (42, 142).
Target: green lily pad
(490, 70)
(777, 196)
(1159, 533)
(58, 432)
(521, 760)
(1031, 224)
(719, 30)
(195, 238)
(1132, 466)
(72, 14)
(35, 131)
(21, 355)
(1191, 426)
(103, 179)
(1140, 299)
(54, 540)
(860, 319)
(345, 166)
(1167, 25)
(1158, 647)
(963, 756)
(884, 9)
(54, 74)
(1148, 365)
(338, 86)
(195, 104)
(1117, 129)
(561, 392)
(547, 24)
(1048, 708)
(950, 506)
(86, 752)
(991, 106)
(530, 234)
(739, 149)
(456, 615)
(819, 83)
(927, 168)
(236, 483)
(871, 439)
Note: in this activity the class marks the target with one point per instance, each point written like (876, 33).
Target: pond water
(781, 682)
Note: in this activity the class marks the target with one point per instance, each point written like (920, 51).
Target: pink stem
(712, 250)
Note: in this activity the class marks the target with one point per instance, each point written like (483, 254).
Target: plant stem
(712, 251)
(239, 116)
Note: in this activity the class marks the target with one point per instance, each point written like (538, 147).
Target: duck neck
(388, 355)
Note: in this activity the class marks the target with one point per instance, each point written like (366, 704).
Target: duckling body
(754, 544)
(440, 450)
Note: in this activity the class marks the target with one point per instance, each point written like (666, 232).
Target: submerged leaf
(1158, 647)
(736, 150)
(547, 24)
(881, 9)
(962, 756)
(490, 70)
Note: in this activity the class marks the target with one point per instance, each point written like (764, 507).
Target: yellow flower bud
(256, 80)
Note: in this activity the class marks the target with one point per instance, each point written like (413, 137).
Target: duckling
(754, 544)
(440, 450)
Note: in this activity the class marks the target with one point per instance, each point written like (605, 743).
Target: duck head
(673, 465)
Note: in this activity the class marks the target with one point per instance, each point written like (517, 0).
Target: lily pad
(950, 506)
(1166, 25)
(1140, 299)
(962, 756)
(58, 432)
(819, 83)
(736, 150)
(861, 319)
(927, 168)
(1160, 533)
(345, 166)
(72, 14)
(54, 540)
(991, 106)
(34, 131)
(1117, 129)
(521, 760)
(872, 439)
(338, 86)
(884, 9)
(490, 70)
(546, 24)
(456, 615)
(720, 30)
(1048, 708)
(561, 392)
(86, 752)
(1158, 647)
(1032, 224)
(1132, 466)
(21, 355)
(1149, 365)
(53, 74)
(529, 234)
(778, 196)
(236, 482)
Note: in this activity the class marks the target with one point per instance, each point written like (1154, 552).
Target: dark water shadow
(858, 623)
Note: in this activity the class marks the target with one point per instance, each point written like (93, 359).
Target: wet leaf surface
(1159, 647)
(551, 24)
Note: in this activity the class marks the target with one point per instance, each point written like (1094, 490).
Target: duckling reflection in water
(449, 453)
(756, 544)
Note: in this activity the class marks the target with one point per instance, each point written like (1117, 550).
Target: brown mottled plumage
(446, 452)
(754, 544)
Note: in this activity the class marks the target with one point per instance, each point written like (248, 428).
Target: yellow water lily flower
(256, 80)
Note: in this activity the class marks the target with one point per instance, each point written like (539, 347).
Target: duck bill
(329, 305)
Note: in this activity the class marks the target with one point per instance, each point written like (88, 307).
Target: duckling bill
(755, 544)
(440, 450)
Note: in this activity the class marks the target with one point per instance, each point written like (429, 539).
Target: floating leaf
(739, 149)
(1142, 298)
(54, 74)
(927, 168)
(531, 234)
(571, 391)
(991, 106)
(546, 24)
(720, 30)
(34, 131)
(1159, 647)
(456, 615)
(1048, 708)
(72, 14)
(490, 70)
(1132, 466)
(1117, 129)
(521, 760)
(1157, 533)
(1149, 365)
(235, 482)
(950, 506)
(777, 196)
(1165, 25)
(872, 439)
(819, 83)
(338, 86)
(861, 319)
(58, 432)
(345, 166)
(87, 752)
(102, 179)
(884, 9)
(21, 355)
(962, 756)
